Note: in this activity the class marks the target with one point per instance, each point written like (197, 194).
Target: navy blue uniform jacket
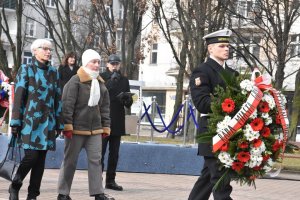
(209, 74)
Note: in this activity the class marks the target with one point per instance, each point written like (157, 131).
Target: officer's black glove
(16, 131)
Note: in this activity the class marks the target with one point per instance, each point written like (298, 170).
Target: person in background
(86, 117)
(68, 68)
(204, 79)
(36, 116)
(117, 86)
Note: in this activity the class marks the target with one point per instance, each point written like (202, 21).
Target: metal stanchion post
(153, 113)
(186, 109)
(139, 120)
(195, 130)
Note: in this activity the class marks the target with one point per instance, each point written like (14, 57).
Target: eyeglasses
(46, 48)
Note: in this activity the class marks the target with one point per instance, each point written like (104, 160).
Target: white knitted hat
(89, 55)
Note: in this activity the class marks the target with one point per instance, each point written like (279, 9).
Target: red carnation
(257, 143)
(276, 146)
(257, 124)
(228, 105)
(225, 147)
(265, 132)
(237, 166)
(243, 156)
(257, 168)
(243, 144)
(278, 121)
(264, 107)
(266, 157)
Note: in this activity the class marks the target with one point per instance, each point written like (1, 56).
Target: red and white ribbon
(262, 82)
(239, 119)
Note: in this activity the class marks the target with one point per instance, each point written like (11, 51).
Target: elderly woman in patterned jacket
(36, 116)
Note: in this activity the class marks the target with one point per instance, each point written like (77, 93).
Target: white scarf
(95, 87)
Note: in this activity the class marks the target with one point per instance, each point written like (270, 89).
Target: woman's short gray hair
(39, 43)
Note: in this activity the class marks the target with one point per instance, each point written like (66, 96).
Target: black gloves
(127, 99)
(16, 131)
(115, 76)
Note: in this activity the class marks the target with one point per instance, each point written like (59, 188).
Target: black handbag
(10, 165)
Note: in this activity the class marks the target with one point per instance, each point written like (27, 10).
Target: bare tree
(270, 22)
(295, 116)
(191, 19)
(267, 25)
(16, 44)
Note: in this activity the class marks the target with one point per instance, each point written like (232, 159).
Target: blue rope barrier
(152, 124)
(166, 128)
(173, 120)
(193, 116)
(146, 110)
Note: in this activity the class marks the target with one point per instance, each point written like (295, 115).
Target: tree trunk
(295, 116)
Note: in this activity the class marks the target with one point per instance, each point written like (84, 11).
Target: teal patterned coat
(37, 105)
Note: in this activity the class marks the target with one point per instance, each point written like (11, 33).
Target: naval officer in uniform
(203, 82)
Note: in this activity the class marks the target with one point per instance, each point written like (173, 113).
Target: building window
(27, 57)
(72, 4)
(154, 54)
(295, 45)
(247, 47)
(96, 41)
(121, 12)
(47, 33)
(30, 28)
(108, 11)
(11, 4)
(119, 41)
(160, 100)
(50, 3)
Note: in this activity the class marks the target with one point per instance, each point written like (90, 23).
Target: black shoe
(13, 193)
(113, 186)
(63, 197)
(31, 198)
(103, 197)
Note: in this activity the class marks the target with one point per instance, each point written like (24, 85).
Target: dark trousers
(210, 174)
(33, 160)
(113, 156)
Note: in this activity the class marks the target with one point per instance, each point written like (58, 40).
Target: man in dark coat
(118, 88)
(203, 82)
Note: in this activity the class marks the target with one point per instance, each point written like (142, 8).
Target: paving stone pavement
(139, 186)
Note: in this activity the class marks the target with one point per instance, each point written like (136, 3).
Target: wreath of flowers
(252, 149)
(4, 93)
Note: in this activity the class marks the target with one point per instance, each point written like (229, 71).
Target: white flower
(225, 158)
(258, 150)
(246, 86)
(221, 125)
(269, 99)
(268, 166)
(268, 121)
(265, 115)
(249, 133)
(5, 86)
(254, 114)
(283, 98)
